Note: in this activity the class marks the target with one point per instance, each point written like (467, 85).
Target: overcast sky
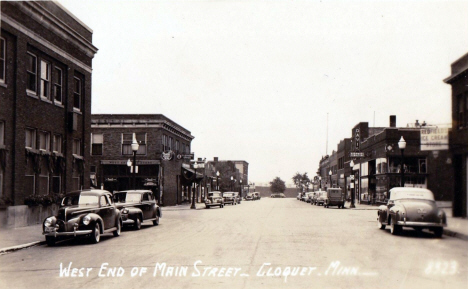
(254, 80)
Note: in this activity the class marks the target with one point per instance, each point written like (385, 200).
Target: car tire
(50, 241)
(156, 221)
(119, 229)
(380, 225)
(137, 223)
(222, 206)
(438, 232)
(207, 206)
(394, 228)
(96, 234)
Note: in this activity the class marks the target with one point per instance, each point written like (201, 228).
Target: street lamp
(351, 164)
(402, 146)
(320, 180)
(135, 147)
(217, 180)
(232, 178)
(195, 166)
(330, 174)
(240, 189)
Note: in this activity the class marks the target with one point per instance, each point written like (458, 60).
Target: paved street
(306, 246)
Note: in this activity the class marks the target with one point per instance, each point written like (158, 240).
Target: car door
(146, 206)
(106, 212)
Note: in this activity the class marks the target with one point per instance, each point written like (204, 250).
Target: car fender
(133, 212)
(53, 223)
(158, 212)
(394, 213)
(94, 218)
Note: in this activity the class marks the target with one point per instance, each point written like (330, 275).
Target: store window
(30, 141)
(97, 141)
(32, 73)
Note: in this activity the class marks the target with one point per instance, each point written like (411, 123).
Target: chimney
(393, 121)
(215, 159)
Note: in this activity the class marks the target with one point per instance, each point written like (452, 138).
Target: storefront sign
(124, 162)
(356, 154)
(167, 156)
(434, 139)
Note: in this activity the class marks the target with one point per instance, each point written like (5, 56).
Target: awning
(189, 174)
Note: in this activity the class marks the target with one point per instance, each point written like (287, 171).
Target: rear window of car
(213, 195)
(335, 193)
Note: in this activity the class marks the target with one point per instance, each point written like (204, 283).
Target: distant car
(229, 198)
(249, 197)
(313, 197)
(83, 213)
(299, 196)
(411, 207)
(257, 196)
(304, 197)
(310, 197)
(335, 197)
(321, 196)
(137, 206)
(237, 198)
(214, 199)
(277, 195)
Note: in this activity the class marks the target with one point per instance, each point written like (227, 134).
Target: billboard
(435, 139)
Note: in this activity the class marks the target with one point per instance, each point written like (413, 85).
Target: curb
(19, 247)
(454, 234)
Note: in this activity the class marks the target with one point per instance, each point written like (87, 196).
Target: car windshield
(228, 194)
(210, 195)
(88, 200)
(133, 197)
(412, 194)
(335, 193)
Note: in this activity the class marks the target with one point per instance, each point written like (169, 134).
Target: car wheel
(222, 206)
(96, 234)
(137, 223)
(394, 228)
(156, 221)
(207, 206)
(438, 232)
(50, 240)
(380, 225)
(119, 229)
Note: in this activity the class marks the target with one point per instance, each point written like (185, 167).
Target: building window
(58, 83)
(44, 141)
(32, 73)
(177, 146)
(56, 184)
(2, 133)
(127, 139)
(460, 111)
(57, 143)
(96, 144)
(45, 80)
(77, 93)
(43, 185)
(2, 60)
(30, 138)
(76, 149)
(164, 142)
(30, 184)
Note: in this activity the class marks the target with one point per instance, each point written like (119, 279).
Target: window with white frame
(57, 143)
(32, 73)
(77, 93)
(97, 140)
(44, 140)
(2, 60)
(58, 83)
(45, 80)
(76, 147)
(30, 141)
(2, 133)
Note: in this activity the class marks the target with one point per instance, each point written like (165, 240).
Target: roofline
(73, 16)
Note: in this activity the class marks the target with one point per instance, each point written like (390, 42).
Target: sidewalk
(24, 237)
(456, 227)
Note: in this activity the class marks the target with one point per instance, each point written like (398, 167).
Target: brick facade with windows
(111, 139)
(43, 48)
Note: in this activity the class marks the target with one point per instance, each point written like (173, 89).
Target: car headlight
(48, 222)
(86, 220)
(125, 211)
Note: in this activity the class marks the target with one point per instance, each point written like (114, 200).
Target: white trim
(46, 43)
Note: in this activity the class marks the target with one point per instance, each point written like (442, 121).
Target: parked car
(214, 199)
(305, 196)
(257, 196)
(335, 197)
(310, 197)
(83, 213)
(229, 198)
(313, 198)
(237, 199)
(411, 207)
(277, 195)
(137, 206)
(249, 197)
(321, 196)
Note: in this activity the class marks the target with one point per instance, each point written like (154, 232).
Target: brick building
(161, 165)
(237, 169)
(458, 138)
(45, 100)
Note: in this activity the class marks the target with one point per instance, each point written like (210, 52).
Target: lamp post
(232, 178)
(217, 180)
(351, 164)
(240, 189)
(135, 147)
(320, 180)
(195, 166)
(330, 174)
(402, 146)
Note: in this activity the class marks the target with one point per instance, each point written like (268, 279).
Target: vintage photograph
(234, 144)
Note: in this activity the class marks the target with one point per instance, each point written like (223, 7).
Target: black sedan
(137, 206)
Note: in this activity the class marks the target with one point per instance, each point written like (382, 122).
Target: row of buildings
(372, 161)
(50, 143)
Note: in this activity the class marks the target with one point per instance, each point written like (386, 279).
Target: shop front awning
(189, 174)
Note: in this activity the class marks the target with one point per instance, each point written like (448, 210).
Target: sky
(274, 82)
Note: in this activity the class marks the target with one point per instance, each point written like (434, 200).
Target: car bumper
(420, 224)
(52, 232)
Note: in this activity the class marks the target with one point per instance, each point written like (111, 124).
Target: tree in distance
(277, 186)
